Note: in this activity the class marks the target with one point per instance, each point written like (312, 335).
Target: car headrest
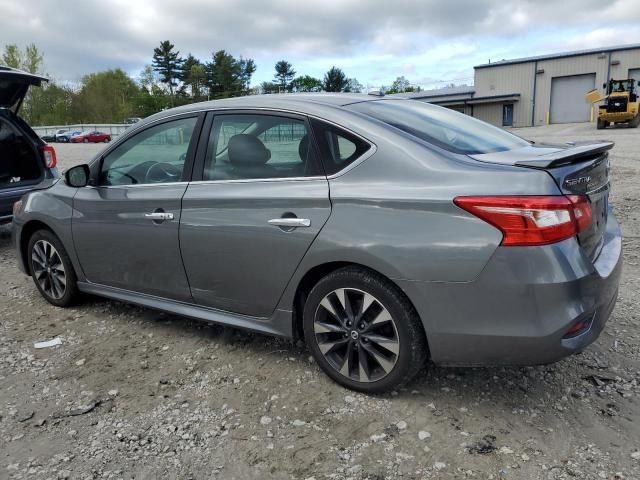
(247, 150)
(303, 148)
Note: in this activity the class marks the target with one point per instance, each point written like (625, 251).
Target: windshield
(441, 126)
(621, 86)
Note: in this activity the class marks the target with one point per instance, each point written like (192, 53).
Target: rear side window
(338, 148)
(441, 126)
(259, 146)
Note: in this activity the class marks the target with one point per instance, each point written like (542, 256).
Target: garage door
(635, 73)
(567, 98)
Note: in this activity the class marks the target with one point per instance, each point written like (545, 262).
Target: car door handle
(290, 222)
(159, 216)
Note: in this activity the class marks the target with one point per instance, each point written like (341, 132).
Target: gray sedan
(384, 232)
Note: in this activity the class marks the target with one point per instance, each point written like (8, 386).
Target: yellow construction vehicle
(620, 103)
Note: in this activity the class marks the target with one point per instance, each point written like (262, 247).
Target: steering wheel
(162, 172)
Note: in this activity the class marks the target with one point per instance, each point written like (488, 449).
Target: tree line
(169, 80)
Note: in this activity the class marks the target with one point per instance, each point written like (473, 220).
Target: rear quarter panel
(394, 213)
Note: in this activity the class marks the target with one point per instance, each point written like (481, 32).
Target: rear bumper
(520, 307)
(14, 192)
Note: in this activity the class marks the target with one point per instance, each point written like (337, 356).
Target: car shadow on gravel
(5, 236)
(508, 385)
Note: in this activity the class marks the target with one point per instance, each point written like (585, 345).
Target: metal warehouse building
(539, 90)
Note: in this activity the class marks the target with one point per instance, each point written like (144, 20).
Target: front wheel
(363, 332)
(51, 269)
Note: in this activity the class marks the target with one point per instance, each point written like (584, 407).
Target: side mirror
(78, 176)
(604, 85)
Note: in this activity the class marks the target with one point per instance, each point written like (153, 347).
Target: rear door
(260, 200)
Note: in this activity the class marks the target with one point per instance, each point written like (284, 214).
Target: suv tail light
(50, 159)
(531, 220)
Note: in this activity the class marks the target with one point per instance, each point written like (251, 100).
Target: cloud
(602, 36)
(425, 38)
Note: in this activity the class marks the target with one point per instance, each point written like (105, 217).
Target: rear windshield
(441, 126)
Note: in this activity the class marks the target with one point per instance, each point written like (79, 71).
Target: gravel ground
(133, 393)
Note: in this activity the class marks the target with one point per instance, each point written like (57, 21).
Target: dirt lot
(135, 393)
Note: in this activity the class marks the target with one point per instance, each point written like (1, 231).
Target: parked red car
(93, 137)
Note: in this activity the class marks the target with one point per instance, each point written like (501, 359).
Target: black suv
(25, 160)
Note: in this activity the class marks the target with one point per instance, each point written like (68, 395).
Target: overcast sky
(430, 42)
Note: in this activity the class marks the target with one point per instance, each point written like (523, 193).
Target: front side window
(155, 155)
(441, 126)
(256, 146)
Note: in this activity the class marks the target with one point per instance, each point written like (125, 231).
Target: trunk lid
(577, 168)
(14, 85)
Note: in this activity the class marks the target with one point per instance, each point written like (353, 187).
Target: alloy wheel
(356, 334)
(48, 269)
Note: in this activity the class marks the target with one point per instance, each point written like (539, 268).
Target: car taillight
(531, 220)
(50, 159)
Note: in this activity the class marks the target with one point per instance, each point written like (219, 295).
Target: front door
(125, 228)
(247, 224)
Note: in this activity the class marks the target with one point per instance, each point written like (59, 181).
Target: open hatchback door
(14, 85)
(26, 161)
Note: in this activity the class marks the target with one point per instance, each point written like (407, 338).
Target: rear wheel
(363, 331)
(635, 121)
(600, 124)
(51, 269)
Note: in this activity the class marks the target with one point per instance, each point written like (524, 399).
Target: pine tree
(284, 74)
(194, 75)
(168, 64)
(247, 69)
(335, 80)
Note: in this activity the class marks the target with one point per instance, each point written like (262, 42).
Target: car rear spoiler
(578, 153)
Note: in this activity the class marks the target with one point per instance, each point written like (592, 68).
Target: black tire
(404, 325)
(635, 121)
(55, 296)
(600, 124)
